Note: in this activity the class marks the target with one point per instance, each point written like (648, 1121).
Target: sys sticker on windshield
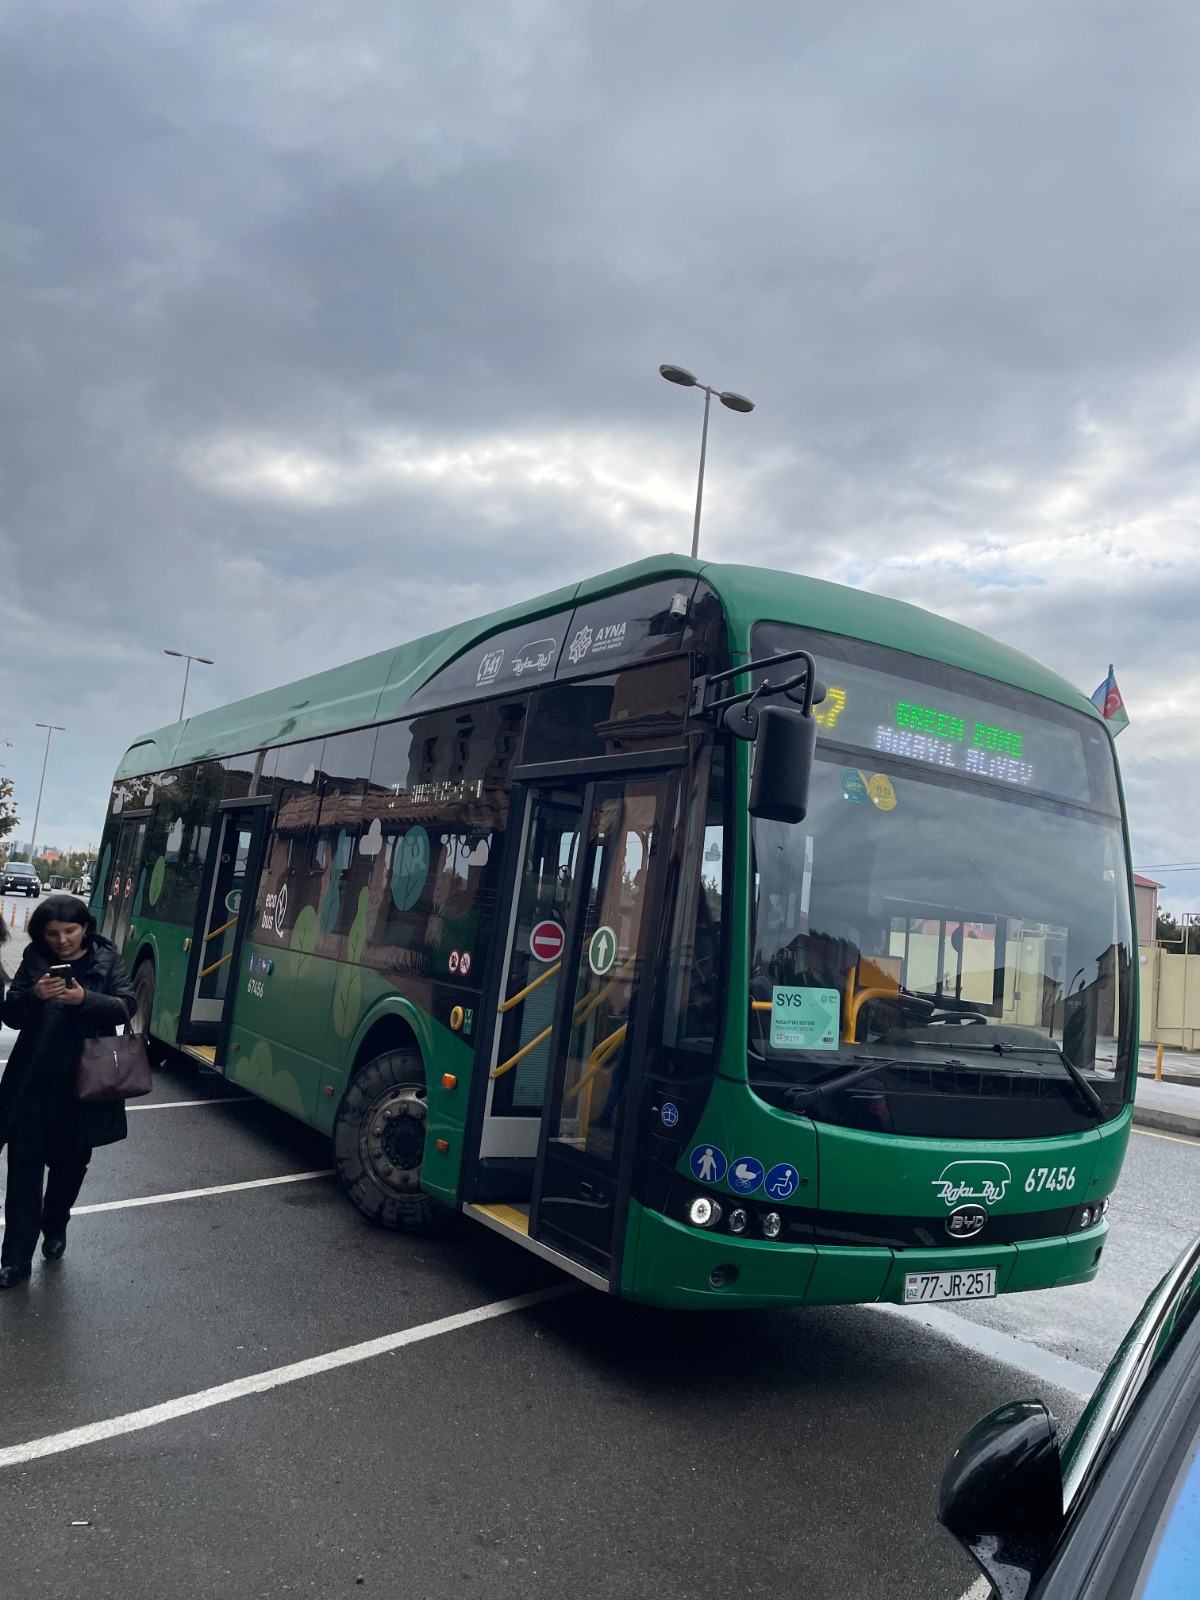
(804, 1019)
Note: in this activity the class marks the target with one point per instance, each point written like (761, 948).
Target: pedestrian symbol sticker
(709, 1164)
(782, 1181)
(602, 951)
(669, 1114)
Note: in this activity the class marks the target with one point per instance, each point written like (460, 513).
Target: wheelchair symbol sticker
(782, 1181)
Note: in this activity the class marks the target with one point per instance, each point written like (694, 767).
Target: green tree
(8, 809)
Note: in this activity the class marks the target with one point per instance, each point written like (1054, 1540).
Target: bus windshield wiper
(841, 1080)
(1000, 1048)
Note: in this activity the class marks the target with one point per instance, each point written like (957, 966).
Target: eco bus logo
(986, 1181)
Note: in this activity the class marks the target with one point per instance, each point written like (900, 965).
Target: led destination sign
(935, 723)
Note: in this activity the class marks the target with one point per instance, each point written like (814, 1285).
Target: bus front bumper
(671, 1264)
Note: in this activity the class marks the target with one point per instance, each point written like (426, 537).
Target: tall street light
(183, 656)
(735, 402)
(51, 729)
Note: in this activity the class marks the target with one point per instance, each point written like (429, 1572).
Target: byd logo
(986, 1181)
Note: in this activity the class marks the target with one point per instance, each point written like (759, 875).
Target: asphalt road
(573, 1446)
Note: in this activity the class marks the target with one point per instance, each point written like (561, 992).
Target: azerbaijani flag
(1107, 700)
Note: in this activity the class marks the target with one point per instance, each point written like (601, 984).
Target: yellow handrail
(222, 929)
(206, 970)
(760, 1005)
(598, 1060)
(585, 1007)
(515, 999)
(505, 1066)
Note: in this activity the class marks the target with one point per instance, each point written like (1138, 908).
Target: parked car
(1116, 1514)
(19, 877)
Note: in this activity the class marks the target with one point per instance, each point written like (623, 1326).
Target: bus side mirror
(784, 746)
(1002, 1495)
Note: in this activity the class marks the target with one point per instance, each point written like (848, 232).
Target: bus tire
(379, 1144)
(143, 988)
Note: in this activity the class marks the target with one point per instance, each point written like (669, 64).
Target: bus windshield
(944, 945)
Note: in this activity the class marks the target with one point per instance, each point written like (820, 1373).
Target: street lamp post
(51, 729)
(735, 402)
(183, 656)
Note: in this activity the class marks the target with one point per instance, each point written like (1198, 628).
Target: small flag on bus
(1107, 700)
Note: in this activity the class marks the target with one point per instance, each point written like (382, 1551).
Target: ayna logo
(983, 1181)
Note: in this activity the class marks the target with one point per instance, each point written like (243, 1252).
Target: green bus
(723, 936)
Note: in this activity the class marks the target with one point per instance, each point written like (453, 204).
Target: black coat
(37, 1092)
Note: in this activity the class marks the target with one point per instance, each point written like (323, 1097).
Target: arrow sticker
(602, 951)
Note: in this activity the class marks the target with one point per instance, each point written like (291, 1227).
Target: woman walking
(71, 986)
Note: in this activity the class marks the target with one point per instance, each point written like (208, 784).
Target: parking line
(1171, 1138)
(215, 1100)
(54, 1444)
(194, 1194)
(198, 1194)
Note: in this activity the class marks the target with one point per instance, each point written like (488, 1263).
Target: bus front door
(585, 1148)
(235, 860)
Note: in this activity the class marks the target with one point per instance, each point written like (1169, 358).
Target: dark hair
(3, 930)
(60, 908)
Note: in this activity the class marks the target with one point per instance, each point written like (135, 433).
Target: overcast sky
(330, 322)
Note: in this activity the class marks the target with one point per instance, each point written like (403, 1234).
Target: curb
(1166, 1121)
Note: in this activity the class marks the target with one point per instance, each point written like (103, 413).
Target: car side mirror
(785, 743)
(1002, 1495)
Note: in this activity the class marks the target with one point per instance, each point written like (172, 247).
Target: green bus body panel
(674, 1263)
(377, 687)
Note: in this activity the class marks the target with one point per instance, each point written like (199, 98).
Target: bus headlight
(772, 1225)
(1085, 1216)
(703, 1212)
(737, 1220)
(1104, 1206)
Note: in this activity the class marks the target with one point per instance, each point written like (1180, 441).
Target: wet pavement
(567, 1445)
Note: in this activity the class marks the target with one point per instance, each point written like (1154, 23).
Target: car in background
(19, 877)
(1116, 1514)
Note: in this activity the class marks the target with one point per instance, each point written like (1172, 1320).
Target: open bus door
(235, 859)
(556, 1145)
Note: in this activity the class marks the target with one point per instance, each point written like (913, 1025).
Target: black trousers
(27, 1212)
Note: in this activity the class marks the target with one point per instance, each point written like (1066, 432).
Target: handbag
(115, 1067)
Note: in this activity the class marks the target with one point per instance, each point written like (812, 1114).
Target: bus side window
(440, 794)
(344, 868)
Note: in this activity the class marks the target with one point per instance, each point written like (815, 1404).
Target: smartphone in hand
(63, 970)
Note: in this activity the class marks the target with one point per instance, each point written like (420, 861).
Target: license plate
(927, 1288)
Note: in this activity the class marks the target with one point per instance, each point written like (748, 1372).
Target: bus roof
(377, 686)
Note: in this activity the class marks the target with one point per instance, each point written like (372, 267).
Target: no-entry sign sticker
(546, 941)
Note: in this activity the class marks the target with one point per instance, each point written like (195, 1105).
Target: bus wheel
(379, 1143)
(143, 989)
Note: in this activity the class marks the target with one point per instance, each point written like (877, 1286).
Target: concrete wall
(1170, 997)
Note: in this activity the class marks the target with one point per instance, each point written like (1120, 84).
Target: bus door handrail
(515, 999)
(598, 1060)
(224, 928)
(583, 1010)
(228, 956)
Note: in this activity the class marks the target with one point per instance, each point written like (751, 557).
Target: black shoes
(11, 1276)
(54, 1246)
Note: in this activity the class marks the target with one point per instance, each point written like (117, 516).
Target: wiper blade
(841, 1080)
(1048, 1049)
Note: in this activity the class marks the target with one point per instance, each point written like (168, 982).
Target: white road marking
(54, 1444)
(195, 1194)
(1000, 1346)
(198, 1194)
(178, 1105)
